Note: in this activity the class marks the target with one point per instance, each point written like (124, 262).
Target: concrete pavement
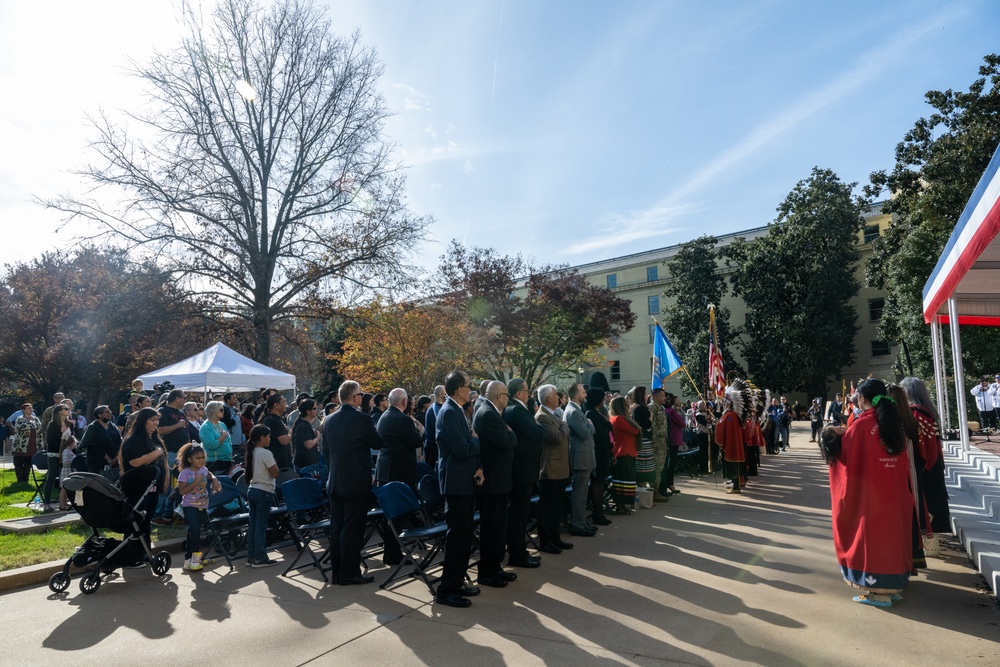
(705, 579)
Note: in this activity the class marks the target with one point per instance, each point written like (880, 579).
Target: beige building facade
(642, 278)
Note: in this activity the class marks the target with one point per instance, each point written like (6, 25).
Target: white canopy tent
(220, 368)
(965, 286)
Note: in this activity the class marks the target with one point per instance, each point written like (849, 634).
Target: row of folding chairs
(40, 463)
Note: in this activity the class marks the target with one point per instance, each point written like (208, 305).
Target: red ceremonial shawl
(729, 435)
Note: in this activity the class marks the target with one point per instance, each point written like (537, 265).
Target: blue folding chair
(308, 519)
(317, 471)
(227, 520)
(397, 501)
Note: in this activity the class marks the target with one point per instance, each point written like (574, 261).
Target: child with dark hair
(192, 483)
(261, 469)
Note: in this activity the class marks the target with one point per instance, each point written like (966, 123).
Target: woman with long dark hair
(59, 429)
(143, 447)
(645, 459)
(626, 434)
(871, 500)
(931, 454)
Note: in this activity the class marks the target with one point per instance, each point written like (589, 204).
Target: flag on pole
(665, 359)
(716, 371)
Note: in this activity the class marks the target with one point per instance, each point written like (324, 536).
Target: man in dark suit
(496, 452)
(459, 472)
(527, 456)
(554, 473)
(430, 425)
(348, 438)
(582, 460)
(397, 460)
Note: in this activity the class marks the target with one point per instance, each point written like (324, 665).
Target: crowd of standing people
(495, 448)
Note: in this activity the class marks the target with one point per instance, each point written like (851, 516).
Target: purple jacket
(675, 430)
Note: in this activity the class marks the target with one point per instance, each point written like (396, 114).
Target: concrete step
(973, 480)
(40, 523)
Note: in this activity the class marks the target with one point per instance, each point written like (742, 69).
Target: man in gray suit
(581, 459)
(554, 472)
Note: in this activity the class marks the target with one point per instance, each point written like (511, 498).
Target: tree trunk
(262, 336)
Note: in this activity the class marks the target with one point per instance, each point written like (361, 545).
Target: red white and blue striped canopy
(969, 268)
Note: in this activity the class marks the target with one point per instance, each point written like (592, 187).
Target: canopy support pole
(939, 388)
(956, 353)
(944, 376)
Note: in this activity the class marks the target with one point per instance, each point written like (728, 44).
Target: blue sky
(570, 131)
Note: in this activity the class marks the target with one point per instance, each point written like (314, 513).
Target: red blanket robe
(729, 435)
(872, 510)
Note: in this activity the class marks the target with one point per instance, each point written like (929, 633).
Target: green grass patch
(19, 550)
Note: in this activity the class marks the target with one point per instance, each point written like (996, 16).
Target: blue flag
(665, 359)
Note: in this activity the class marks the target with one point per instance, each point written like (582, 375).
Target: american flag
(716, 371)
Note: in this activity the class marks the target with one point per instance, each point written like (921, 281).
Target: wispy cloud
(869, 67)
(619, 229)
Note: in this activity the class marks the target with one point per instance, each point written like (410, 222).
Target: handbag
(111, 473)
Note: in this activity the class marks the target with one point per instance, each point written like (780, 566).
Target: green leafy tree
(797, 282)
(938, 164)
(260, 175)
(696, 283)
(537, 323)
(89, 323)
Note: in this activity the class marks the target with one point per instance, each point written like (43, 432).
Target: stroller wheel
(59, 582)
(161, 563)
(90, 583)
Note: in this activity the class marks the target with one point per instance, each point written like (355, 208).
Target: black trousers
(348, 515)
(492, 531)
(22, 468)
(518, 510)
(551, 493)
(458, 514)
(95, 464)
(669, 467)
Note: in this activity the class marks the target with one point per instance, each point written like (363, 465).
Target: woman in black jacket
(60, 427)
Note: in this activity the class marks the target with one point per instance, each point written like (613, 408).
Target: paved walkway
(706, 579)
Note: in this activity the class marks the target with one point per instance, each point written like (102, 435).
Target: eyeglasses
(502, 395)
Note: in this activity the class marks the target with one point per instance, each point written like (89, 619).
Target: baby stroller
(119, 508)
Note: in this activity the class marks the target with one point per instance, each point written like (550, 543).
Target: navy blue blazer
(348, 438)
(496, 442)
(458, 451)
(397, 460)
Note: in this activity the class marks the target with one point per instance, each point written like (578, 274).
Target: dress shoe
(392, 561)
(453, 600)
(602, 521)
(661, 499)
(496, 580)
(469, 591)
(509, 576)
(549, 549)
(562, 545)
(356, 581)
(525, 562)
(583, 532)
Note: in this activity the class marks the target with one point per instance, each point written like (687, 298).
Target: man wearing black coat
(397, 460)
(459, 472)
(526, 464)
(101, 441)
(348, 438)
(496, 452)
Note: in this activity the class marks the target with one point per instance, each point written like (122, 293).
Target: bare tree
(260, 175)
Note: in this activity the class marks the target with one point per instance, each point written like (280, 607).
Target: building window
(881, 348)
(612, 280)
(654, 304)
(616, 370)
(875, 307)
(652, 333)
(871, 233)
(652, 274)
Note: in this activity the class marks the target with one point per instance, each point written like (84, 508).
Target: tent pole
(944, 376)
(938, 384)
(956, 353)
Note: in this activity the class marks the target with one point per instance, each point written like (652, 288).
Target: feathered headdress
(745, 397)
